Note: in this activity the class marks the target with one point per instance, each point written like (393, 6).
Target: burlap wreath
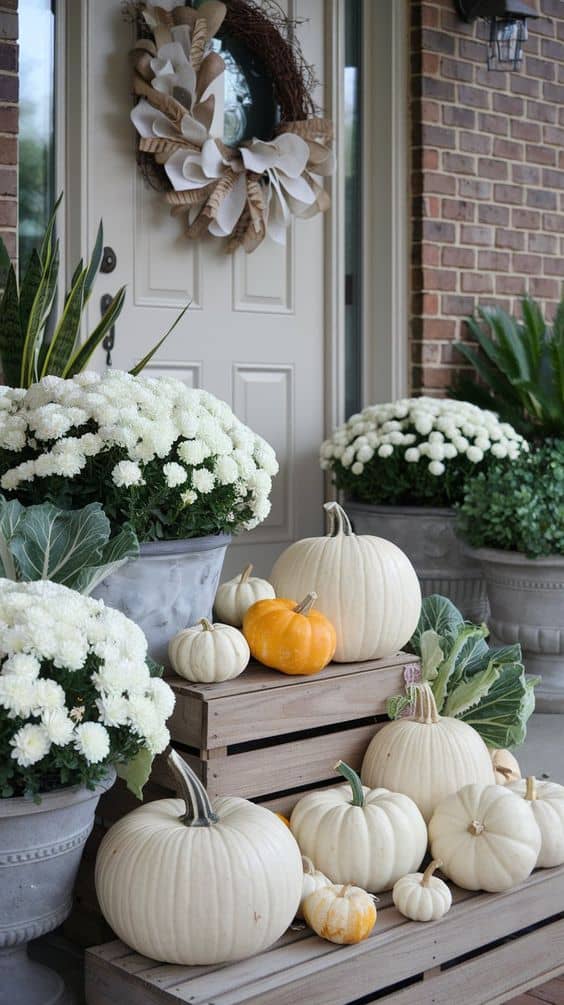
(241, 193)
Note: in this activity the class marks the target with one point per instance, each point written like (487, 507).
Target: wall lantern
(508, 28)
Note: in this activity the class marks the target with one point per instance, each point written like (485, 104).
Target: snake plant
(520, 363)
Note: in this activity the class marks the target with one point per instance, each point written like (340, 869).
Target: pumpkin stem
(506, 772)
(206, 625)
(246, 573)
(339, 522)
(306, 604)
(435, 864)
(531, 789)
(354, 781)
(308, 866)
(476, 828)
(344, 890)
(199, 812)
(425, 705)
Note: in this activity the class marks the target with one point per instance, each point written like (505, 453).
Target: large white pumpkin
(370, 841)
(365, 585)
(185, 881)
(486, 837)
(426, 756)
(209, 653)
(546, 800)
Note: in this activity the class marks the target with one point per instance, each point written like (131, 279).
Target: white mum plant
(76, 691)
(173, 461)
(416, 451)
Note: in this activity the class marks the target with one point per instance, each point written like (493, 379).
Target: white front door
(254, 335)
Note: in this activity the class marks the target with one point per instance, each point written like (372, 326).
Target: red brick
(477, 282)
(437, 41)
(459, 163)
(510, 284)
(508, 193)
(431, 352)
(522, 130)
(513, 239)
(539, 68)
(525, 174)
(524, 85)
(540, 286)
(492, 79)
(458, 209)
(430, 111)
(553, 50)
(553, 179)
(428, 254)
(439, 377)
(455, 69)
(496, 261)
(470, 49)
(531, 265)
(545, 243)
(475, 143)
(8, 149)
(8, 26)
(476, 235)
(538, 198)
(435, 230)
(526, 219)
(490, 213)
(439, 183)
(493, 124)
(473, 97)
(460, 258)
(8, 88)
(453, 115)
(553, 266)
(443, 280)
(8, 119)
(540, 155)
(508, 104)
(458, 305)
(474, 188)
(440, 90)
(8, 212)
(437, 328)
(498, 170)
(429, 16)
(437, 136)
(552, 222)
(553, 93)
(509, 149)
(553, 134)
(8, 57)
(8, 181)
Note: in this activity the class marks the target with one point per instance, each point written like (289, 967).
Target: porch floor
(542, 755)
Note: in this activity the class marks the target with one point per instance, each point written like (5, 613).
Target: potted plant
(512, 516)
(171, 462)
(402, 466)
(76, 698)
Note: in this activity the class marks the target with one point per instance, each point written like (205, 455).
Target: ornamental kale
(484, 686)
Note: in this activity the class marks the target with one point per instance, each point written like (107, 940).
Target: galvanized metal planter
(526, 597)
(427, 536)
(40, 850)
(169, 587)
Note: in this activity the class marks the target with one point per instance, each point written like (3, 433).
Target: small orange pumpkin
(290, 637)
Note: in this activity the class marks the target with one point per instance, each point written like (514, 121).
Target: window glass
(353, 207)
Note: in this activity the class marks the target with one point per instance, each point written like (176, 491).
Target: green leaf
(397, 705)
(46, 249)
(84, 352)
(10, 516)
(500, 717)
(431, 654)
(136, 771)
(38, 315)
(118, 550)
(11, 340)
(438, 614)
(55, 544)
(66, 333)
(468, 693)
(94, 263)
(453, 664)
(143, 362)
(29, 287)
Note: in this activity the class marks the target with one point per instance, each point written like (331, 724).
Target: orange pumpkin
(283, 818)
(290, 637)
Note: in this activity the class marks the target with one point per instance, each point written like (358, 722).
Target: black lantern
(508, 28)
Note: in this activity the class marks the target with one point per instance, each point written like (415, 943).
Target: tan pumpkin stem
(425, 705)
(344, 890)
(506, 772)
(206, 625)
(306, 604)
(435, 864)
(339, 522)
(531, 789)
(246, 573)
(476, 828)
(308, 866)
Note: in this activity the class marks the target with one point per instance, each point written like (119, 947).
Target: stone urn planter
(40, 850)
(526, 597)
(440, 558)
(169, 587)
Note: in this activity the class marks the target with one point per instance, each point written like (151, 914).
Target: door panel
(254, 334)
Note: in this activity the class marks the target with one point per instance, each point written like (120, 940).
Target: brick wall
(9, 123)
(487, 178)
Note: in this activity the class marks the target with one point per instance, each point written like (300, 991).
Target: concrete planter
(40, 850)
(526, 597)
(440, 558)
(169, 587)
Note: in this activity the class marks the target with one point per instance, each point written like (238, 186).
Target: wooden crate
(488, 948)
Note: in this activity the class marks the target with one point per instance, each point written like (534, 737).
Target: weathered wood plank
(495, 976)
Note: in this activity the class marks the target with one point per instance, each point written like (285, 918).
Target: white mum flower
(17, 695)
(127, 473)
(92, 740)
(58, 726)
(162, 696)
(203, 480)
(386, 450)
(436, 468)
(227, 471)
(158, 740)
(193, 452)
(23, 664)
(475, 455)
(174, 474)
(189, 497)
(499, 450)
(48, 694)
(113, 709)
(30, 744)
(357, 468)
(412, 455)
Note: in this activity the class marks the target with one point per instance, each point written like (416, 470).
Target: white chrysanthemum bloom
(475, 455)
(113, 709)
(58, 726)
(189, 497)
(193, 452)
(203, 480)
(127, 473)
(412, 455)
(386, 450)
(92, 740)
(436, 468)
(174, 474)
(226, 470)
(357, 468)
(17, 695)
(158, 740)
(162, 696)
(48, 695)
(23, 664)
(30, 744)
(143, 715)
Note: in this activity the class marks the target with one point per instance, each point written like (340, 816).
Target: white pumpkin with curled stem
(546, 800)
(369, 840)
(366, 586)
(233, 598)
(313, 880)
(209, 653)
(422, 896)
(344, 914)
(427, 756)
(193, 882)
(506, 766)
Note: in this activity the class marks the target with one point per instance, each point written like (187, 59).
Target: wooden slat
(188, 722)
(494, 976)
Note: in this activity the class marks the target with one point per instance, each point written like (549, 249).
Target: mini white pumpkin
(426, 756)
(486, 837)
(365, 585)
(233, 598)
(421, 896)
(369, 841)
(190, 882)
(313, 880)
(209, 653)
(344, 914)
(506, 766)
(546, 800)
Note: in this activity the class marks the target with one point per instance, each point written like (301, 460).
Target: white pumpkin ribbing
(546, 800)
(366, 586)
(209, 653)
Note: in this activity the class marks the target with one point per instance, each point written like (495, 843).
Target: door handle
(110, 339)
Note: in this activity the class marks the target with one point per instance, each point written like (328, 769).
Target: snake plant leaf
(136, 370)
(115, 553)
(66, 333)
(10, 515)
(38, 315)
(84, 352)
(11, 340)
(29, 287)
(94, 263)
(46, 249)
